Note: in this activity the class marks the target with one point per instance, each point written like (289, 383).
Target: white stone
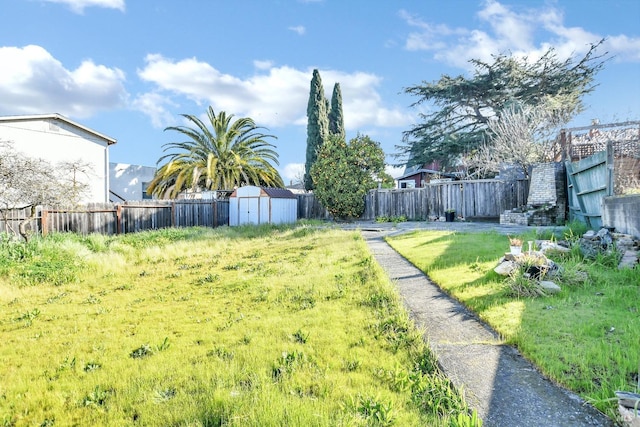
(629, 417)
(549, 287)
(505, 268)
(547, 245)
(629, 259)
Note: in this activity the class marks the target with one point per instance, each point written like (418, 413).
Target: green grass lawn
(250, 326)
(586, 337)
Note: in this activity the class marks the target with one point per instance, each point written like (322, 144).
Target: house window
(145, 195)
(408, 183)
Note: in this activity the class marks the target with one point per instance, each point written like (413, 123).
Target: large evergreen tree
(317, 125)
(464, 106)
(336, 118)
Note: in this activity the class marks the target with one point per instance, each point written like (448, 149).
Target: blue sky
(129, 68)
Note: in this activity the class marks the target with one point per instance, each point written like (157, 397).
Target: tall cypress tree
(317, 125)
(336, 118)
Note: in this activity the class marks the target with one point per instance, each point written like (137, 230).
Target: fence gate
(589, 181)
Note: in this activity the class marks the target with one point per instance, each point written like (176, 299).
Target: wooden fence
(310, 208)
(589, 181)
(118, 218)
(477, 199)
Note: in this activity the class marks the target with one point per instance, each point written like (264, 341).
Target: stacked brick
(546, 204)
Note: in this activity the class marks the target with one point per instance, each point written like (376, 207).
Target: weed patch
(246, 326)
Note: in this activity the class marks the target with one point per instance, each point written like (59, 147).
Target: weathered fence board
(10, 219)
(127, 217)
(212, 213)
(589, 181)
(485, 199)
(310, 208)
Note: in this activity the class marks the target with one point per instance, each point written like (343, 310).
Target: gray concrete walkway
(496, 380)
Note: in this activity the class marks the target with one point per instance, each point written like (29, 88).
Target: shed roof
(56, 116)
(279, 193)
(274, 193)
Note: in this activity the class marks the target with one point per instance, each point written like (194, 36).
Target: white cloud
(504, 29)
(32, 81)
(299, 29)
(78, 6)
(513, 31)
(154, 105)
(292, 172)
(394, 171)
(626, 48)
(429, 38)
(276, 96)
(263, 65)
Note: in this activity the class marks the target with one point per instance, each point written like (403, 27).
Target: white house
(56, 139)
(129, 182)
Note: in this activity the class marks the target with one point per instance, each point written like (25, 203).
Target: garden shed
(262, 205)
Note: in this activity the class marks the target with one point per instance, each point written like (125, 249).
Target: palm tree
(226, 156)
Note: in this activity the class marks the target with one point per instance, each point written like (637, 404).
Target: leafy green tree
(464, 105)
(386, 180)
(227, 155)
(317, 125)
(336, 118)
(344, 172)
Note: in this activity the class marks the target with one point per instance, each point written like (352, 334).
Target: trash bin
(450, 216)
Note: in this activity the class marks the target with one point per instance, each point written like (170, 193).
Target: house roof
(56, 116)
(419, 171)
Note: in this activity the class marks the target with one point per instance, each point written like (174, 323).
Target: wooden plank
(609, 172)
(572, 179)
(44, 228)
(590, 162)
(601, 188)
(477, 198)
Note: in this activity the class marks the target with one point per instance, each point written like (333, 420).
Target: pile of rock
(536, 264)
(605, 242)
(539, 268)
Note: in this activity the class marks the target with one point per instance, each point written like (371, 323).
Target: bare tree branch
(27, 182)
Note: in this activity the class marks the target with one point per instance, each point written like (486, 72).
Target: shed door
(248, 210)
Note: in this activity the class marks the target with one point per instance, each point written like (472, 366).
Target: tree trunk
(22, 227)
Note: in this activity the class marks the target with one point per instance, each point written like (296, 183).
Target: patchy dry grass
(252, 326)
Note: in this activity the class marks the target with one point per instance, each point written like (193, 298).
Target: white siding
(283, 211)
(127, 181)
(56, 141)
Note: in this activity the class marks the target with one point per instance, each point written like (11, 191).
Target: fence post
(43, 220)
(118, 219)
(609, 191)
